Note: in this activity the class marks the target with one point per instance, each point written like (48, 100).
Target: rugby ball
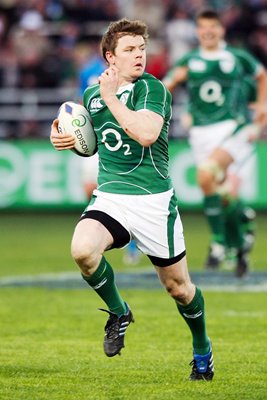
(75, 120)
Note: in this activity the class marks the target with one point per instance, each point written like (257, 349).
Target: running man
(131, 112)
(218, 77)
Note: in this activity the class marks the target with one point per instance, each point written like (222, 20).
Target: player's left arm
(175, 77)
(260, 105)
(143, 127)
(252, 67)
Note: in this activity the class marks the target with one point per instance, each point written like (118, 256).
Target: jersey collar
(214, 54)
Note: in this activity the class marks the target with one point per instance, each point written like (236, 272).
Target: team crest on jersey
(124, 97)
(197, 65)
(227, 65)
(96, 104)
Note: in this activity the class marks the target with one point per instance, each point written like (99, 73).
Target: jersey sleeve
(182, 62)
(249, 63)
(88, 93)
(152, 95)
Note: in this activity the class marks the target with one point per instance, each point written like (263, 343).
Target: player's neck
(219, 46)
(210, 49)
(125, 81)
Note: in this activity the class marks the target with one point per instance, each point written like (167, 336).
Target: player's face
(210, 32)
(130, 57)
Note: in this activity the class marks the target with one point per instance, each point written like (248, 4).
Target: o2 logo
(119, 143)
(211, 92)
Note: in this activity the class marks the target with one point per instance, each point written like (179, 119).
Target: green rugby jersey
(218, 84)
(124, 165)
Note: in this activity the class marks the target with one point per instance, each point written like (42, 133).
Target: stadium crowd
(47, 44)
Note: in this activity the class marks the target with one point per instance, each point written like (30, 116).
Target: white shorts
(205, 139)
(152, 220)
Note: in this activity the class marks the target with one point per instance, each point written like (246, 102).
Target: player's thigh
(90, 236)
(239, 145)
(222, 157)
(156, 225)
(212, 171)
(205, 139)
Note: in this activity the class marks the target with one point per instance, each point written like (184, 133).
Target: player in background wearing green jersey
(131, 112)
(217, 78)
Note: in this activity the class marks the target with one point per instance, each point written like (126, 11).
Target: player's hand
(254, 132)
(260, 113)
(60, 141)
(109, 83)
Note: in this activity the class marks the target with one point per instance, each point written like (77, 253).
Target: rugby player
(219, 85)
(131, 112)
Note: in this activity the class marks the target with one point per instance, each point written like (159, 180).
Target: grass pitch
(32, 243)
(51, 340)
(51, 348)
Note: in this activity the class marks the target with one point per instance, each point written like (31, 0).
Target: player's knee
(84, 254)
(205, 180)
(209, 173)
(178, 291)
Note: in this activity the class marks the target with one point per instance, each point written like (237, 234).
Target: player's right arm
(143, 127)
(60, 141)
(175, 76)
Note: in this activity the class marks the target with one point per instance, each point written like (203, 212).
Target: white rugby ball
(75, 120)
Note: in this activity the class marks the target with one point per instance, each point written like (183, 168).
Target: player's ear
(110, 57)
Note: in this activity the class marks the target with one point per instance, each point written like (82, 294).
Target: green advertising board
(34, 175)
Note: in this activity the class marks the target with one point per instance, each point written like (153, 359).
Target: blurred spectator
(152, 12)
(90, 64)
(157, 59)
(31, 48)
(180, 32)
(53, 44)
(256, 40)
(239, 23)
(65, 50)
(93, 10)
(258, 44)
(193, 7)
(3, 30)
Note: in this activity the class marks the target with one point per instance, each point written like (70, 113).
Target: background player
(221, 132)
(131, 111)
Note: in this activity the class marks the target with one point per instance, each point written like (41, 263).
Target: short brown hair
(119, 29)
(208, 14)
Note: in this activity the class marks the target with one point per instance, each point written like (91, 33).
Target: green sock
(103, 282)
(194, 316)
(247, 218)
(233, 224)
(214, 212)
